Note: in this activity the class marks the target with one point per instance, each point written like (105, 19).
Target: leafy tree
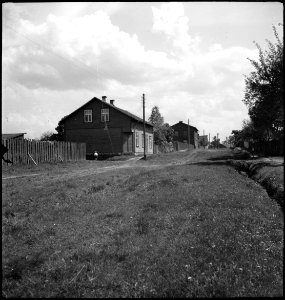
(156, 118)
(47, 136)
(203, 142)
(163, 132)
(216, 142)
(235, 139)
(60, 130)
(264, 90)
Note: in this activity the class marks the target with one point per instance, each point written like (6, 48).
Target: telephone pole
(144, 154)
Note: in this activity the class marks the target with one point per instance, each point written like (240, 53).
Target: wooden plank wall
(23, 151)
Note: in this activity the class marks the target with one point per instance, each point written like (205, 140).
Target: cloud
(52, 67)
(170, 20)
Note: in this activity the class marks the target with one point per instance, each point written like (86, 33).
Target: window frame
(150, 142)
(105, 115)
(142, 140)
(88, 116)
(137, 140)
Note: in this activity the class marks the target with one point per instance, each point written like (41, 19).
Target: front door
(127, 142)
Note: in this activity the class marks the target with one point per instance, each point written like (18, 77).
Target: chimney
(112, 102)
(180, 121)
(104, 98)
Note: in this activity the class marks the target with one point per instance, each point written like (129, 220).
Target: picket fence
(24, 151)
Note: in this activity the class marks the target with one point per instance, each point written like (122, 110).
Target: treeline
(263, 97)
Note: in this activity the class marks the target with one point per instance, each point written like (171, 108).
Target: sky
(188, 58)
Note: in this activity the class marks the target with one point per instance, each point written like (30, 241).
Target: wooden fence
(174, 146)
(23, 151)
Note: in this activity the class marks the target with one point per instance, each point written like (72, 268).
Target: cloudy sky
(187, 57)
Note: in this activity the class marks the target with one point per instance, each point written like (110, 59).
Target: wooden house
(181, 133)
(107, 129)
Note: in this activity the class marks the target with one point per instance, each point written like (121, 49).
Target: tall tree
(264, 90)
(162, 132)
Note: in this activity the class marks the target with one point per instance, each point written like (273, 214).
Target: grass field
(181, 224)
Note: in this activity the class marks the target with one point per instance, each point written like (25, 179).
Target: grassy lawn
(177, 225)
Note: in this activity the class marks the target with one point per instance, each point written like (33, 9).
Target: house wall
(103, 141)
(138, 129)
(118, 138)
(182, 130)
(95, 134)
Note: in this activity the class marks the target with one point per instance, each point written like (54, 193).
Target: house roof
(6, 136)
(110, 105)
(181, 123)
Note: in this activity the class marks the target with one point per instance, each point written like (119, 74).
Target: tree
(216, 142)
(264, 90)
(235, 139)
(203, 142)
(163, 132)
(60, 130)
(47, 136)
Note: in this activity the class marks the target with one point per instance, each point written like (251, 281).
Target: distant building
(13, 136)
(107, 129)
(181, 133)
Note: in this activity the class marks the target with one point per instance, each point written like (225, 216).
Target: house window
(146, 142)
(150, 142)
(88, 115)
(105, 114)
(176, 133)
(142, 140)
(137, 139)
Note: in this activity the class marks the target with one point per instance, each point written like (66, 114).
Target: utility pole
(188, 135)
(144, 154)
(209, 139)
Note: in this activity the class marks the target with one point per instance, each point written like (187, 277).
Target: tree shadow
(210, 163)
(224, 157)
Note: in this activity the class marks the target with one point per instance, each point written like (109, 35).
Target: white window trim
(137, 140)
(105, 115)
(88, 116)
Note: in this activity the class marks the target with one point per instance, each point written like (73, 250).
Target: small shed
(13, 136)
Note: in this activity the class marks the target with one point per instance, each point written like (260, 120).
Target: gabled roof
(181, 123)
(125, 112)
(7, 136)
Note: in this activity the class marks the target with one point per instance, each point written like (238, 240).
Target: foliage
(203, 142)
(215, 142)
(163, 132)
(48, 136)
(248, 133)
(264, 90)
(60, 129)
(235, 138)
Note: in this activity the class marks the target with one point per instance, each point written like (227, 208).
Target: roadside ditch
(268, 173)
